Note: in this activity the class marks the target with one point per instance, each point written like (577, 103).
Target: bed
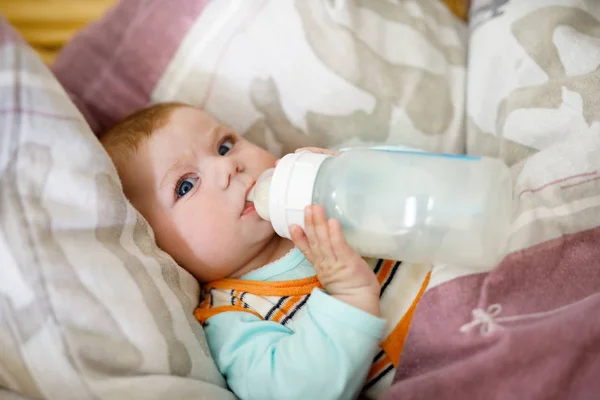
(91, 308)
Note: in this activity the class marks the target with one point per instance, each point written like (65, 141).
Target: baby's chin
(210, 276)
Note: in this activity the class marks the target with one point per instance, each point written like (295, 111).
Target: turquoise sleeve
(328, 355)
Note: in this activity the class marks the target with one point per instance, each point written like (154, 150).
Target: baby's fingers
(322, 232)
(340, 246)
(301, 241)
(311, 236)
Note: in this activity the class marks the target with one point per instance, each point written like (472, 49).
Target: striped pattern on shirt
(284, 302)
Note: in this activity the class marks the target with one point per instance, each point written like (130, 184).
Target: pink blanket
(528, 330)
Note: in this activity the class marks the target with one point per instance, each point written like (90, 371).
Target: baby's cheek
(209, 234)
(207, 230)
(214, 254)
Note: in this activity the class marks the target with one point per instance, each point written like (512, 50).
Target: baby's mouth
(248, 208)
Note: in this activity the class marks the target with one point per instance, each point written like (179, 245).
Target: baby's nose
(229, 168)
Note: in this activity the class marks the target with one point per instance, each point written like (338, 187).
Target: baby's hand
(340, 269)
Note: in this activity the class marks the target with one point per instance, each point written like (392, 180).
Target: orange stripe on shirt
(204, 314)
(285, 308)
(264, 288)
(205, 303)
(385, 271)
(393, 344)
(378, 366)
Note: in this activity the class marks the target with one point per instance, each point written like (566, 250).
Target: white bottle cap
(292, 189)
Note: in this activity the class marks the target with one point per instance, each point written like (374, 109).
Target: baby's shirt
(275, 333)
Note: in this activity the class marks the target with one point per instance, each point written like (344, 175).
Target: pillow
(533, 75)
(89, 307)
(284, 73)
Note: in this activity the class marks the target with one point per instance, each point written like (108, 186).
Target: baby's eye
(184, 186)
(225, 146)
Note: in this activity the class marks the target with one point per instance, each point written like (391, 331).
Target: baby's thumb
(301, 241)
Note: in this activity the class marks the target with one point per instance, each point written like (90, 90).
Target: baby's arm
(332, 347)
(327, 356)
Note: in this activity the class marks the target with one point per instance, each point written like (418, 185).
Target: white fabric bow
(485, 319)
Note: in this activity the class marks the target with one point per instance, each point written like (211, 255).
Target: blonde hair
(123, 139)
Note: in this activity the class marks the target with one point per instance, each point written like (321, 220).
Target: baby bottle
(409, 206)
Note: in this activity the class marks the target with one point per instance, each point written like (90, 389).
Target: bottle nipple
(250, 195)
(259, 194)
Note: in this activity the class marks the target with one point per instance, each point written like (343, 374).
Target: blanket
(526, 329)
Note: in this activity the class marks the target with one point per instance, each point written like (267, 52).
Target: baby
(283, 319)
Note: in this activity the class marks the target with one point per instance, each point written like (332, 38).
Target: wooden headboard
(48, 24)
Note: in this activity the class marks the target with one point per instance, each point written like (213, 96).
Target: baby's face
(190, 180)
